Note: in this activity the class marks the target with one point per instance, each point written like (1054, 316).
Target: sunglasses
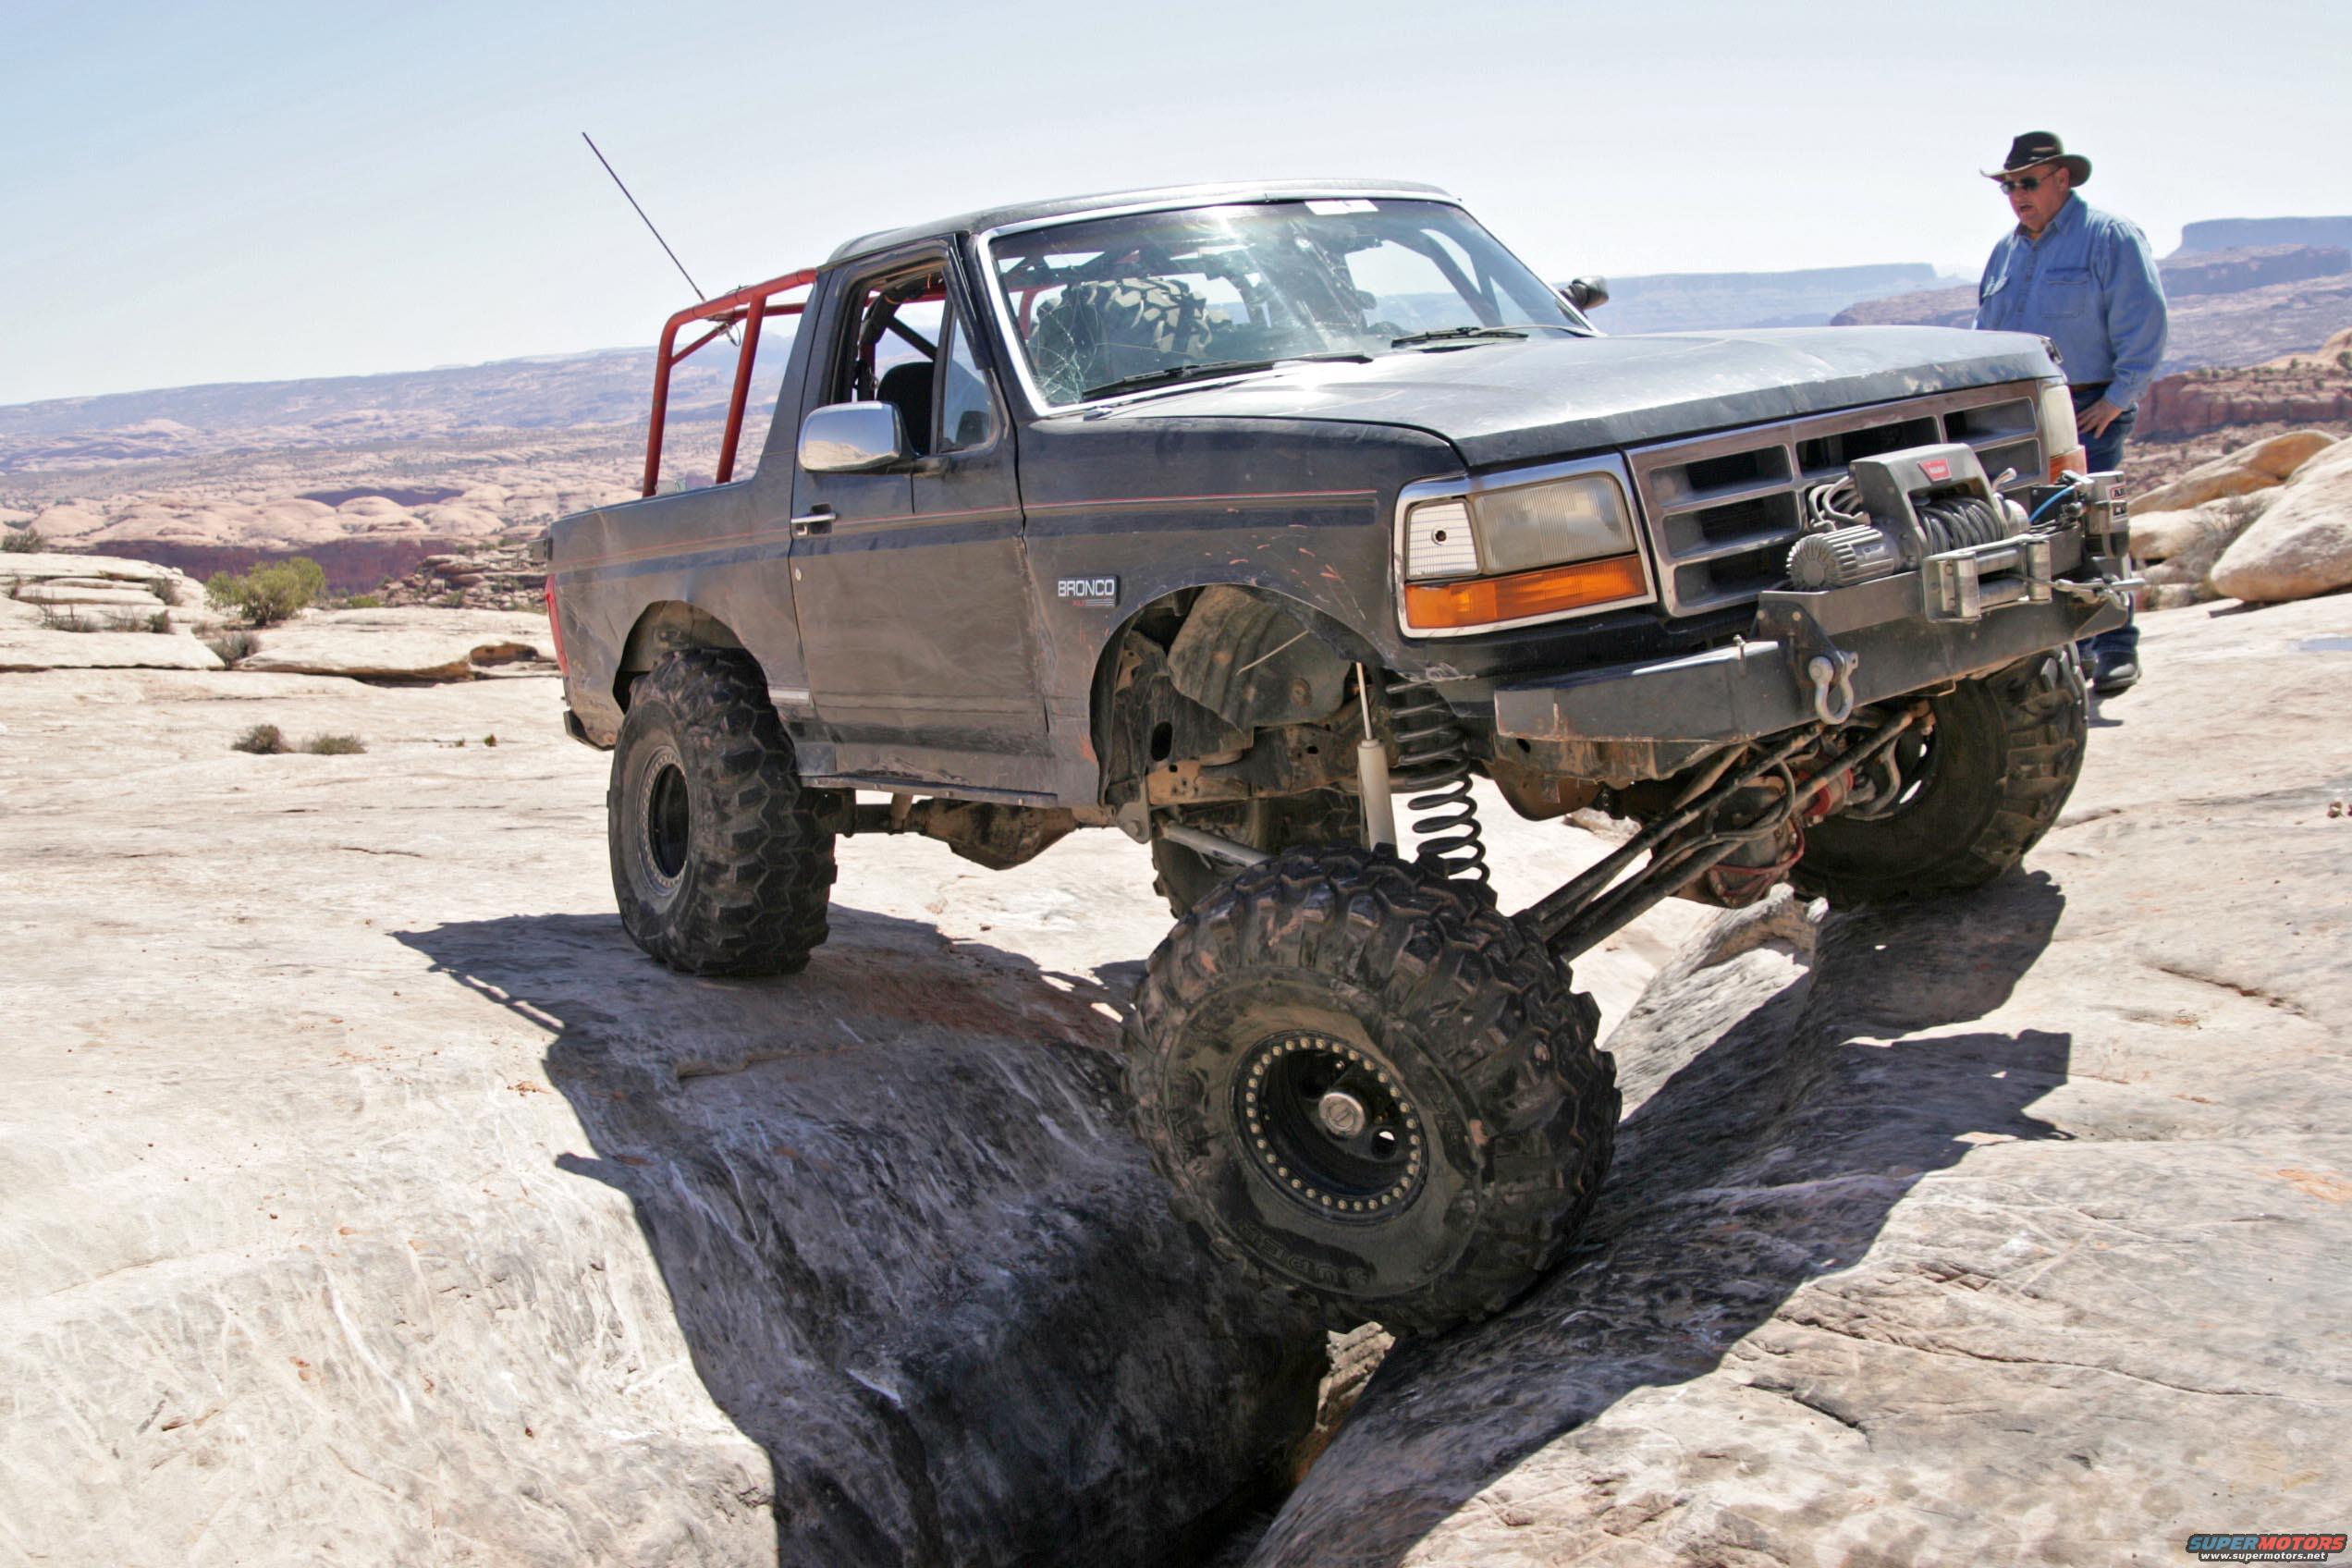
(2031, 182)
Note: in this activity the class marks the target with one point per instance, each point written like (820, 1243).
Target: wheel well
(1231, 660)
(667, 626)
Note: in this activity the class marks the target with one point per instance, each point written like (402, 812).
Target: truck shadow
(909, 1245)
(1764, 1149)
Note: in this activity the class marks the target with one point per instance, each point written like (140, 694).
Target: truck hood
(1521, 399)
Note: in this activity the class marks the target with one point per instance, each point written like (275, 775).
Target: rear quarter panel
(723, 550)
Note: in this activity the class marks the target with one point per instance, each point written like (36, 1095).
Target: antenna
(651, 229)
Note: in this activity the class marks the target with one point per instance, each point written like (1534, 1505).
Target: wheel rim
(1329, 1125)
(665, 820)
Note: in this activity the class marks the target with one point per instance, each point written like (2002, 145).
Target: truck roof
(988, 218)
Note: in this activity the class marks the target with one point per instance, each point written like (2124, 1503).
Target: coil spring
(1433, 773)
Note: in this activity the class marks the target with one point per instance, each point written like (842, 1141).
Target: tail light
(555, 623)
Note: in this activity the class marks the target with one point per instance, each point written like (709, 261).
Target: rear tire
(719, 863)
(1479, 1113)
(2000, 762)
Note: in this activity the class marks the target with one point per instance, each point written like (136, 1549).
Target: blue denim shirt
(2089, 286)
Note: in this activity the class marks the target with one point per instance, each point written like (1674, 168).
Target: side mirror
(853, 438)
(1586, 293)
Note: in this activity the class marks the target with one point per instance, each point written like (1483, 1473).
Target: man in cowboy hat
(2085, 280)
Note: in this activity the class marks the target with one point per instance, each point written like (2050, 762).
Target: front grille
(1723, 509)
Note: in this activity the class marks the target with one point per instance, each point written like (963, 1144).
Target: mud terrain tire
(1451, 1028)
(2003, 757)
(717, 860)
(1186, 877)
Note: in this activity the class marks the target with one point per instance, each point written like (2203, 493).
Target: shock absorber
(1433, 773)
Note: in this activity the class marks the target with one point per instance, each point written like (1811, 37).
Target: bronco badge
(1096, 593)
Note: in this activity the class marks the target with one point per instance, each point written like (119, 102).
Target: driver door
(913, 582)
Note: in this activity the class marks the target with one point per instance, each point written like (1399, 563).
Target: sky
(228, 192)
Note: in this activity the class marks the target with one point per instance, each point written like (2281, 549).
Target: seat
(908, 385)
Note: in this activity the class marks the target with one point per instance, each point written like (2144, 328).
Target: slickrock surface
(406, 644)
(365, 1196)
(2010, 1228)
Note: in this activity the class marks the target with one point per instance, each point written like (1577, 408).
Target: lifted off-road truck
(1255, 521)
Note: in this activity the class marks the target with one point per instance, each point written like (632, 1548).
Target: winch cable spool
(1433, 773)
(1958, 522)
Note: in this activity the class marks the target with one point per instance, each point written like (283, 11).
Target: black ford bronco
(1255, 521)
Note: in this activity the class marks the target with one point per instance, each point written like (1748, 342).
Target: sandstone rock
(30, 648)
(1958, 1238)
(62, 591)
(2181, 547)
(44, 565)
(408, 1214)
(407, 644)
(2302, 546)
(2259, 467)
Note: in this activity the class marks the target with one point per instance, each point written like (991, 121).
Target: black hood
(1547, 395)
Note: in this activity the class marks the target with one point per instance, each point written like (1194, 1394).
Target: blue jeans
(2105, 452)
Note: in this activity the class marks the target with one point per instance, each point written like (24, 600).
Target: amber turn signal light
(1522, 595)
(2075, 461)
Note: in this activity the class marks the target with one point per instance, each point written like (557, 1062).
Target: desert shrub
(333, 745)
(234, 647)
(21, 541)
(489, 739)
(160, 623)
(263, 741)
(69, 618)
(365, 601)
(270, 592)
(165, 587)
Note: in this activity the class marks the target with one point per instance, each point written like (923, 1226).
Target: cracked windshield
(1123, 303)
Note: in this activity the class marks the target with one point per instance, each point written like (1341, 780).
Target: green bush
(333, 745)
(365, 601)
(270, 592)
(21, 541)
(263, 741)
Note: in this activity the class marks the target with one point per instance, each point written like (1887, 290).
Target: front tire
(1368, 1087)
(1185, 877)
(1999, 764)
(719, 863)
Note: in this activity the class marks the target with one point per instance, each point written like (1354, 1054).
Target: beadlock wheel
(1368, 1088)
(1330, 1124)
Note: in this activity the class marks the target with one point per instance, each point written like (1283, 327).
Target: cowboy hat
(2035, 148)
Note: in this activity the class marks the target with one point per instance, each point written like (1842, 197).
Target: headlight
(1533, 525)
(1511, 553)
(2061, 445)
(1517, 528)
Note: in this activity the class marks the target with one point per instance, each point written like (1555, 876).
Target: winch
(1933, 510)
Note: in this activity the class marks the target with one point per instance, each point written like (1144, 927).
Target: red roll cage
(746, 307)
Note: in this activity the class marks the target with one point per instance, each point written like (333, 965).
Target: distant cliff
(2235, 234)
(1698, 302)
(2228, 308)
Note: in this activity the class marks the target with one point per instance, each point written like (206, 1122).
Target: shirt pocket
(2066, 293)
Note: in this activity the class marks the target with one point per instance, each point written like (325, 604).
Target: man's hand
(2094, 420)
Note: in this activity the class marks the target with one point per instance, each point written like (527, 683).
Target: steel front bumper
(1813, 657)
